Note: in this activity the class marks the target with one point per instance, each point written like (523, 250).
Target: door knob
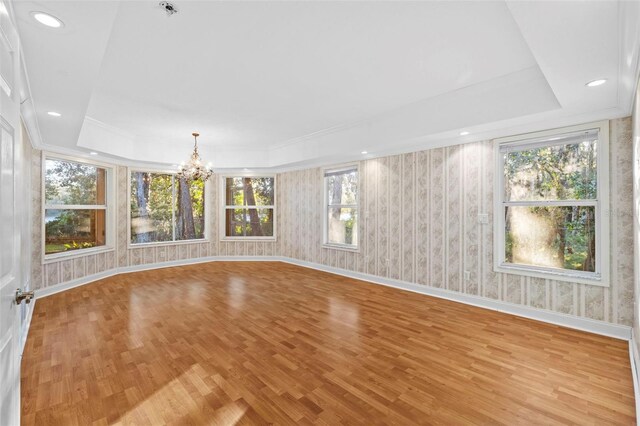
(23, 295)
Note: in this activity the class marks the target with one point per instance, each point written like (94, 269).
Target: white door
(10, 270)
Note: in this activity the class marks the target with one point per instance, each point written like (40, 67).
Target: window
(75, 207)
(551, 192)
(165, 208)
(249, 207)
(341, 212)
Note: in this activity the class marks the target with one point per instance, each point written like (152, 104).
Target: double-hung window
(551, 196)
(341, 207)
(75, 206)
(164, 208)
(248, 207)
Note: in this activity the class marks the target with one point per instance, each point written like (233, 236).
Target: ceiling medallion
(194, 169)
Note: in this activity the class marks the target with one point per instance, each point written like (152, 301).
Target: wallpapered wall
(418, 223)
(64, 270)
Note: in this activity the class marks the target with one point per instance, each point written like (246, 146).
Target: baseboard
(617, 331)
(634, 358)
(48, 291)
(584, 324)
(183, 262)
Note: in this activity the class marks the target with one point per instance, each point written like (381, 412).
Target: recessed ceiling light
(46, 19)
(595, 83)
(465, 133)
(364, 152)
(54, 114)
(93, 153)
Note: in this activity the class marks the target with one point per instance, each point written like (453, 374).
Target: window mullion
(343, 206)
(244, 209)
(338, 239)
(551, 237)
(75, 206)
(87, 228)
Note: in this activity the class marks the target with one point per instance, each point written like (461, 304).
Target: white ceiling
(286, 84)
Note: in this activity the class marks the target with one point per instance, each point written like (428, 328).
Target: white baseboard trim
(634, 358)
(48, 291)
(585, 324)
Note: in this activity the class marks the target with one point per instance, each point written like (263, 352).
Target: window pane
(189, 209)
(341, 226)
(234, 192)
(250, 191)
(73, 229)
(249, 222)
(151, 207)
(67, 182)
(556, 237)
(561, 172)
(260, 223)
(235, 222)
(342, 189)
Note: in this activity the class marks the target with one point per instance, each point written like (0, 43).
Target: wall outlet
(483, 218)
(467, 275)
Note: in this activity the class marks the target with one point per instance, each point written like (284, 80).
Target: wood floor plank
(268, 342)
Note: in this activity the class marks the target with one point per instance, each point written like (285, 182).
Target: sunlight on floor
(173, 402)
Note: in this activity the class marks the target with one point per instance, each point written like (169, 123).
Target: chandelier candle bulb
(193, 169)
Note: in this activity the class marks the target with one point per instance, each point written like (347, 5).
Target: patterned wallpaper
(83, 265)
(418, 222)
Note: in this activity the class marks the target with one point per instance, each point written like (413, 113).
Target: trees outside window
(75, 205)
(341, 201)
(165, 208)
(550, 204)
(249, 207)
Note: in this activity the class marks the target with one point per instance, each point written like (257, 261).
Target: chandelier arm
(194, 169)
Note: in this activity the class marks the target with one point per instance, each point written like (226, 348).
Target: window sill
(353, 249)
(57, 257)
(264, 239)
(560, 275)
(165, 243)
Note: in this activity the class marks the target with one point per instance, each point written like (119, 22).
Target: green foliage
(73, 245)
(342, 221)
(556, 173)
(155, 209)
(249, 195)
(68, 230)
(71, 183)
(67, 182)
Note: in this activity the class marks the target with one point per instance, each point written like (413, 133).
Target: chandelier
(194, 169)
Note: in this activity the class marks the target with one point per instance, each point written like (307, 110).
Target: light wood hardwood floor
(268, 342)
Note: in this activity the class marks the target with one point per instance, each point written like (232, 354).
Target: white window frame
(204, 239)
(224, 207)
(602, 215)
(326, 206)
(110, 221)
